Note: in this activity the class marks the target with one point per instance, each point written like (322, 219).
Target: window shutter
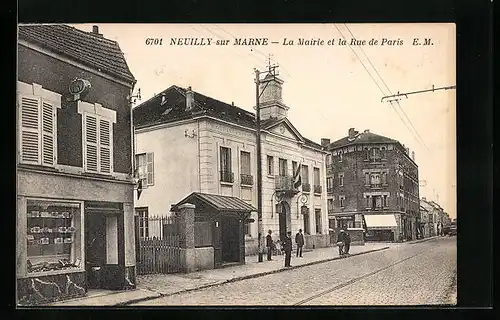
(105, 159)
(150, 168)
(30, 133)
(90, 155)
(48, 134)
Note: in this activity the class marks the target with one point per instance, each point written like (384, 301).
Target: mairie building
(187, 142)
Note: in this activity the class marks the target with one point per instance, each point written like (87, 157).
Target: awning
(380, 221)
(216, 202)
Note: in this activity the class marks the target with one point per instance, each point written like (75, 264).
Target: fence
(159, 249)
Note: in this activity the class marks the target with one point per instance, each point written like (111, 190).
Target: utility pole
(259, 154)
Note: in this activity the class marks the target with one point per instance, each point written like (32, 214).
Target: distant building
(188, 142)
(424, 221)
(438, 219)
(372, 182)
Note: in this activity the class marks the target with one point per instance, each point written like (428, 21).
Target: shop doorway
(104, 249)
(230, 239)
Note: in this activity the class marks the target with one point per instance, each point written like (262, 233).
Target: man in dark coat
(287, 247)
(269, 245)
(340, 242)
(347, 242)
(299, 240)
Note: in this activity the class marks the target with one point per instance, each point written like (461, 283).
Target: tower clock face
(78, 86)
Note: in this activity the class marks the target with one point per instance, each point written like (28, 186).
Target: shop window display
(53, 236)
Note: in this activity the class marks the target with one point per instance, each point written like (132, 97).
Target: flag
(139, 188)
(297, 180)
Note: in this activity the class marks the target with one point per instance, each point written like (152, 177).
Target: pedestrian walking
(299, 240)
(340, 242)
(287, 247)
(269, 245)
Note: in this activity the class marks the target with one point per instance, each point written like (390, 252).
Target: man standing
(287, 247)
(269, 245)
(347, 242)
(340, 242)
(299, 240)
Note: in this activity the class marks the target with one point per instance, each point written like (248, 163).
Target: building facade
(193, 143)
(372, 183)
(438, 218)
(74, 186)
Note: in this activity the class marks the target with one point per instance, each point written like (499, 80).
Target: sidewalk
(157, 285)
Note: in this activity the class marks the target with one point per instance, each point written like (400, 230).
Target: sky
(329, 88)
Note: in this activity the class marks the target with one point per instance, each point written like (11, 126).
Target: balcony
(306, 187)
(246, 179)
(226, 176)
(284, 184)
(317, 189)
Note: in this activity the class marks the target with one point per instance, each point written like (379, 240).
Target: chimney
(232, 103)
(367, 130)
(413, 156)
(189, 99)
(95, 30)
(352, 132)
(408, 151)
(325, 142)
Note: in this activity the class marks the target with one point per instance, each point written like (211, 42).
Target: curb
(423, 240)
(251, 276)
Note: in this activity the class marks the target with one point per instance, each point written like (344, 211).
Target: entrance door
(282, 221)
(230, 239)
(95, 249)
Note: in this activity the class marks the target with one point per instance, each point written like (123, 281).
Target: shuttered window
(145, 168)
(37, 130)
(98, 144)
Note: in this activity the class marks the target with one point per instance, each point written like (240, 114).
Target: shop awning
(216, 202)
(380, 221)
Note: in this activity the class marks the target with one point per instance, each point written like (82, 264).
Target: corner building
(75, 224)
(195, 143)
(372, 183)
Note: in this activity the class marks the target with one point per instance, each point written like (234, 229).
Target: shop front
(67, 244)
(381, 227)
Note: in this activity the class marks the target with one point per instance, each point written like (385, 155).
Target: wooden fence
(159, 252)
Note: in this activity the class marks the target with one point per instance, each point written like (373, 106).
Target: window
(375, 180)
(342, 201)
(307, 229)
(367, 179)
(384, 177)
(340, 156)
(367, 201)
(247, 229)
(385, 203)
(329, 183)
(383, 153)
(375, 154)
(283, 167)
(97, 137)
(341, 179)
(328, 159)
(226, 173)
(37, 124)
(270, 165)
(367, 154)
(145, 168)
(143, 222)
(305, 174)
(317, 214)
(54, 238)
(330, 205)
(294, 167)
(316, 177)
(246, 171)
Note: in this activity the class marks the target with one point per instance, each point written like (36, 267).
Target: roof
(217, 202)
(362, 138)
(152, 111)
(88, 48)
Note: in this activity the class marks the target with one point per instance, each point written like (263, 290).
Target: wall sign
(78, 87)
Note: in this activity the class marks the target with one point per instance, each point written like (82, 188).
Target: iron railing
(318, 189)
(306, 187)
(227, 176)
(246, 179)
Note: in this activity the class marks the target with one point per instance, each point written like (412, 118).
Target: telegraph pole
(259, 154)
(259, 164)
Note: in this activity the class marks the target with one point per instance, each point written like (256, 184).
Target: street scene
(236, 164)
(408, 274)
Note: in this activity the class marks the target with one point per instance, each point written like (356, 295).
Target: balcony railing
(329, 190)
(317, 189)
(284, 183)
(376, 185)
(226, 176)
(246, 179)
(306, 187)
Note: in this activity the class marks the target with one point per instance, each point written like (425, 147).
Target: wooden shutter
(105, 159)
(150, 168)
(30, 129)
(48, 134)
(90, 156)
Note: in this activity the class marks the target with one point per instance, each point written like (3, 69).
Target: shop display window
(53, 236)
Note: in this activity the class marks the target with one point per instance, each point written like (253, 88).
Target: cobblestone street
(407, 274)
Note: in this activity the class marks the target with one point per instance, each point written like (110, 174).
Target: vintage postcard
(236, 164)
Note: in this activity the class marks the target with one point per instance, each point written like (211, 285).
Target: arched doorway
(285, 219)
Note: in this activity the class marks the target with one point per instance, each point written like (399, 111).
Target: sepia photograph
(236, 165)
